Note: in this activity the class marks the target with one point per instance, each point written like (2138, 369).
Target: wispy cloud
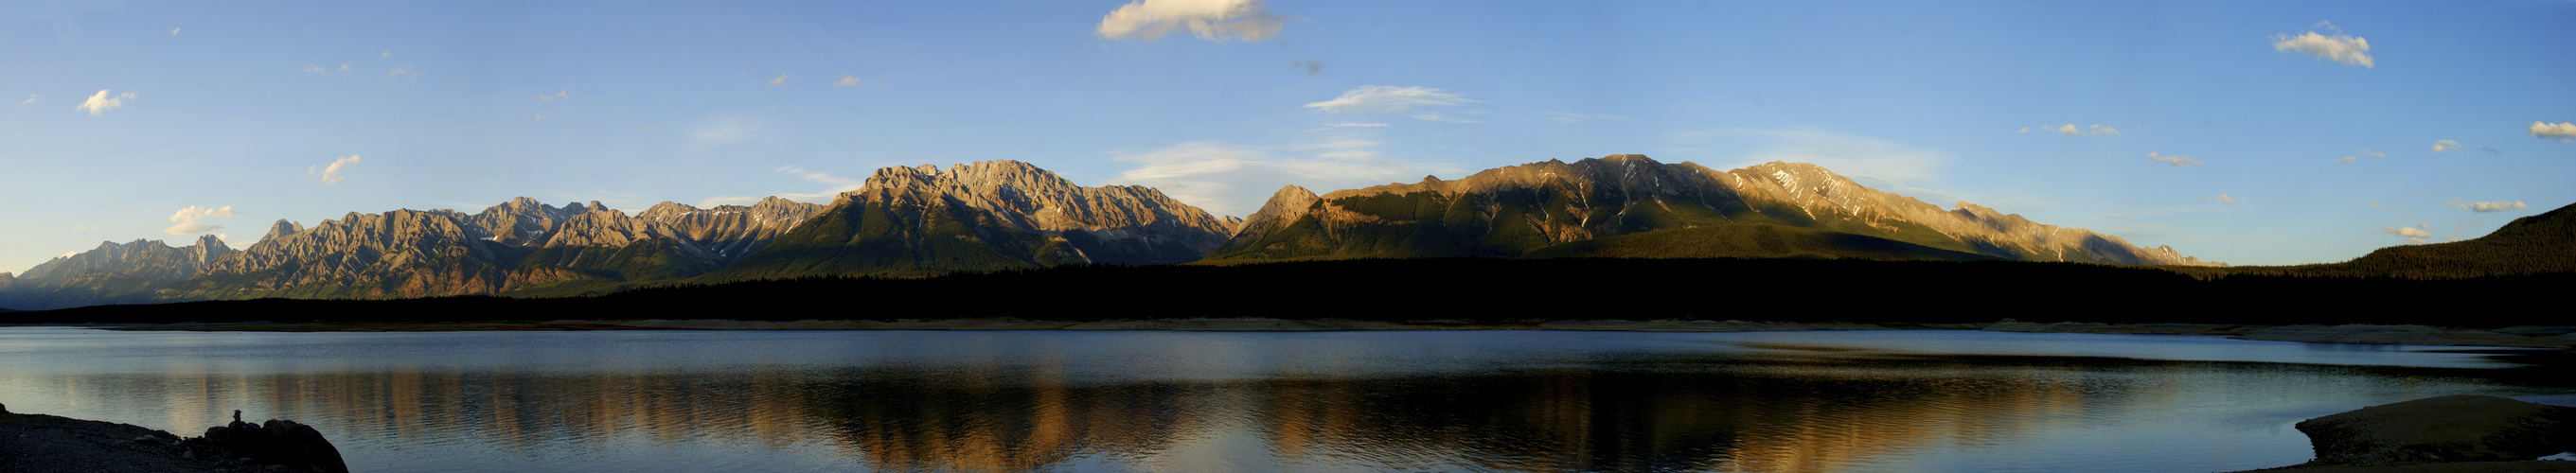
(541, 117)
(782, 79)
(403, 71)
(838, 185)
(187, 219)
(2411, 234)
(2175, 160)
(559, 95)
(99, 103)
(2563, 132)
(1234, 180)
(1568, 117)
(2446, 146)
(1348, 124)
(1858, 157)
(2345, 160)
(1393, 100)
(331, 173)
(31, 98)
(1311, 66)
(2221, 198)
(2497, 206)
(2070, 130)
(722, 130)
(846, 81)
(1212, 20)
(2338, 47)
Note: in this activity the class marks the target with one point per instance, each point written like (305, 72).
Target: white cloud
(1393, 100)
(2345, 160)
(2340, 47)
(1346, 124)
(2175, 160)
(187, 218)
(386, 55)
(846, 81)
(314, 70)
(554, 96)
(2070, 130)
(1212, 20)
(331, 173)
(2496, 206)
(31, 98)
(2563, 132)
(99, 103)
(2446, 146)
(2374, 154)
(2412, 234)
(782, 79)
(541, 117)
(2221, 198)
(174, 31)
(1235, 180)
(403, 71)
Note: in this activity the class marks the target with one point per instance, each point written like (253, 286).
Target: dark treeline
(1475, 289)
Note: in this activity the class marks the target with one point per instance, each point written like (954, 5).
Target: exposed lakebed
(1920, 400)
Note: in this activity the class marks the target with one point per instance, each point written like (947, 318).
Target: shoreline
(2556, 337)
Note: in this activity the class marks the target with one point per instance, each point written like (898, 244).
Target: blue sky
(166, 120)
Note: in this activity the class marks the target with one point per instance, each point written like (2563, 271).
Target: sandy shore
(2520, 337)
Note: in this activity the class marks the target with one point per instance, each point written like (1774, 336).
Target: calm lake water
(1258, 401)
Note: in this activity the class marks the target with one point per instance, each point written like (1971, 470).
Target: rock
(2459, 428)
(283, 444)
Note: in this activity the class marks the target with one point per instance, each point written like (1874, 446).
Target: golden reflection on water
(1794, 412)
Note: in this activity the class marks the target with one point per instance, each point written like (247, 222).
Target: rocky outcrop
(287, 445)
(37, 442)
(2459, 428)
(1511, 210)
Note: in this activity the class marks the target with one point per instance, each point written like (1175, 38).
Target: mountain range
(1000, 215)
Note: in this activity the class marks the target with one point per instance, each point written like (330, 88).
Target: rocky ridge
(414, 253)
(1510, 210)
(992, 215)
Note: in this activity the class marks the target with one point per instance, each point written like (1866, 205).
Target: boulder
(2459, 428)
(293, 446)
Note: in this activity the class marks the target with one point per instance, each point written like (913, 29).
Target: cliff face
(1510, 211)
(984, 216)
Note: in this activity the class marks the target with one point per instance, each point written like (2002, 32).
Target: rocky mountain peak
(1284, 207)
(280, 229)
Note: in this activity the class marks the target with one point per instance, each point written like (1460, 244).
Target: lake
(1924, 400)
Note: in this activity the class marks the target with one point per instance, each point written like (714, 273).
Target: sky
(2247, 132)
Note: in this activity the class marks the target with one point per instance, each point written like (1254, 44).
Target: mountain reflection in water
(1175, 401)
